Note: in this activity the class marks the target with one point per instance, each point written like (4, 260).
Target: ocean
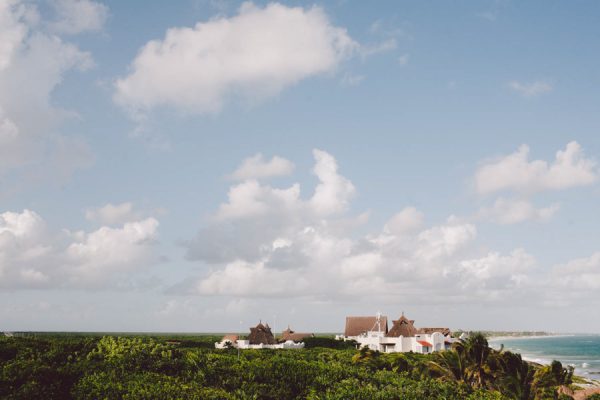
(581, 351)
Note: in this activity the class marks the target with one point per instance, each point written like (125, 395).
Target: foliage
(152, 367)
(329, 342)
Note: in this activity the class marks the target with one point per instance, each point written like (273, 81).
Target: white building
(372, 332)
(261, 337)
(289, 344)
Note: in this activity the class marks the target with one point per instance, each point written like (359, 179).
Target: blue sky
(403, 124)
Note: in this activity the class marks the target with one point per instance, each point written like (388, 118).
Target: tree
(451, 365)
(513, 376)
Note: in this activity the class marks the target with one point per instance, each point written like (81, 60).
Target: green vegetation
(151, 367)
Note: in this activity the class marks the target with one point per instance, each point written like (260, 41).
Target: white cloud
(113, 214)
(33, 64)
(266, 242)
(403, 59)
(256, 167)
(378, 48)
(493, 275)
(512, 211)
(198, 69)
(532, 89)
(241, 278)
(333, 193)
(515, 172)
(406, 221)
(12, 30)
(444, 241)
(349, 79)
(95, 256)
(573, 283)
(34, 256)
(76, 16)
(581, 275)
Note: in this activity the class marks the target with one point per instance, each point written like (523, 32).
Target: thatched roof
(429, 331)
(289, 334)
(403, 327)
(359, 325)
(230, 338)
(261, 334)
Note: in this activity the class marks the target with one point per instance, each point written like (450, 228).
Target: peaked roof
(403, 327)
(289, 334)
(359, 325)
(429, 331)
(261, 334)
(230, 338)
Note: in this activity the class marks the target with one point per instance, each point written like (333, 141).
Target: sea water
(581, 351)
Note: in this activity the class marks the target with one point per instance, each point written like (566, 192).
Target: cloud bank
(275, 242)
(256, 167)
(33, 62)
(32, 256)
(516, 172)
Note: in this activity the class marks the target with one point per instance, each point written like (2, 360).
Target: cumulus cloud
(531, 89)
(493, 275)
(34, 256)
(574, 282)
(198, 69)
(12, 30)
(112, 214)
(582, 274)
(33, 63)
(512, 211)
(333, 193)
(406, 221)
(274, 242)
(256, 167)
(516, 172)
(77, 16)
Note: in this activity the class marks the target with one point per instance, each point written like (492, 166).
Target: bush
(329, 343)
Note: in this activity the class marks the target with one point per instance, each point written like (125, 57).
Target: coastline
(514, 337)
(591, 385)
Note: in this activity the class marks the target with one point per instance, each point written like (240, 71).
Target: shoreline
(593, 379)
(549, 335)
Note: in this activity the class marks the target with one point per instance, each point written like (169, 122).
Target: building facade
(261, 337)
(372, 332)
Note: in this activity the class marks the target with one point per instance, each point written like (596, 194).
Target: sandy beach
(588, 391)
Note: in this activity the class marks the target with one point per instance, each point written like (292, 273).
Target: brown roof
(230, 338)
(358, 325)
(289, 334)
(261, 334)
(402, 327)
(429, 331)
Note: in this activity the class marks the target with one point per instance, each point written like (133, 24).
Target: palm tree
(477, 351)
(513, 376)
(552, 379)
(450, 365)
(366, 357)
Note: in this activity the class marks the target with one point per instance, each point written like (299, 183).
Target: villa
(261, 337)
(372, 332)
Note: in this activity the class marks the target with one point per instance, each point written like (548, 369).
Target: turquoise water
(582, 351)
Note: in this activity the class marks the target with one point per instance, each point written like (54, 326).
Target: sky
(202, 165)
